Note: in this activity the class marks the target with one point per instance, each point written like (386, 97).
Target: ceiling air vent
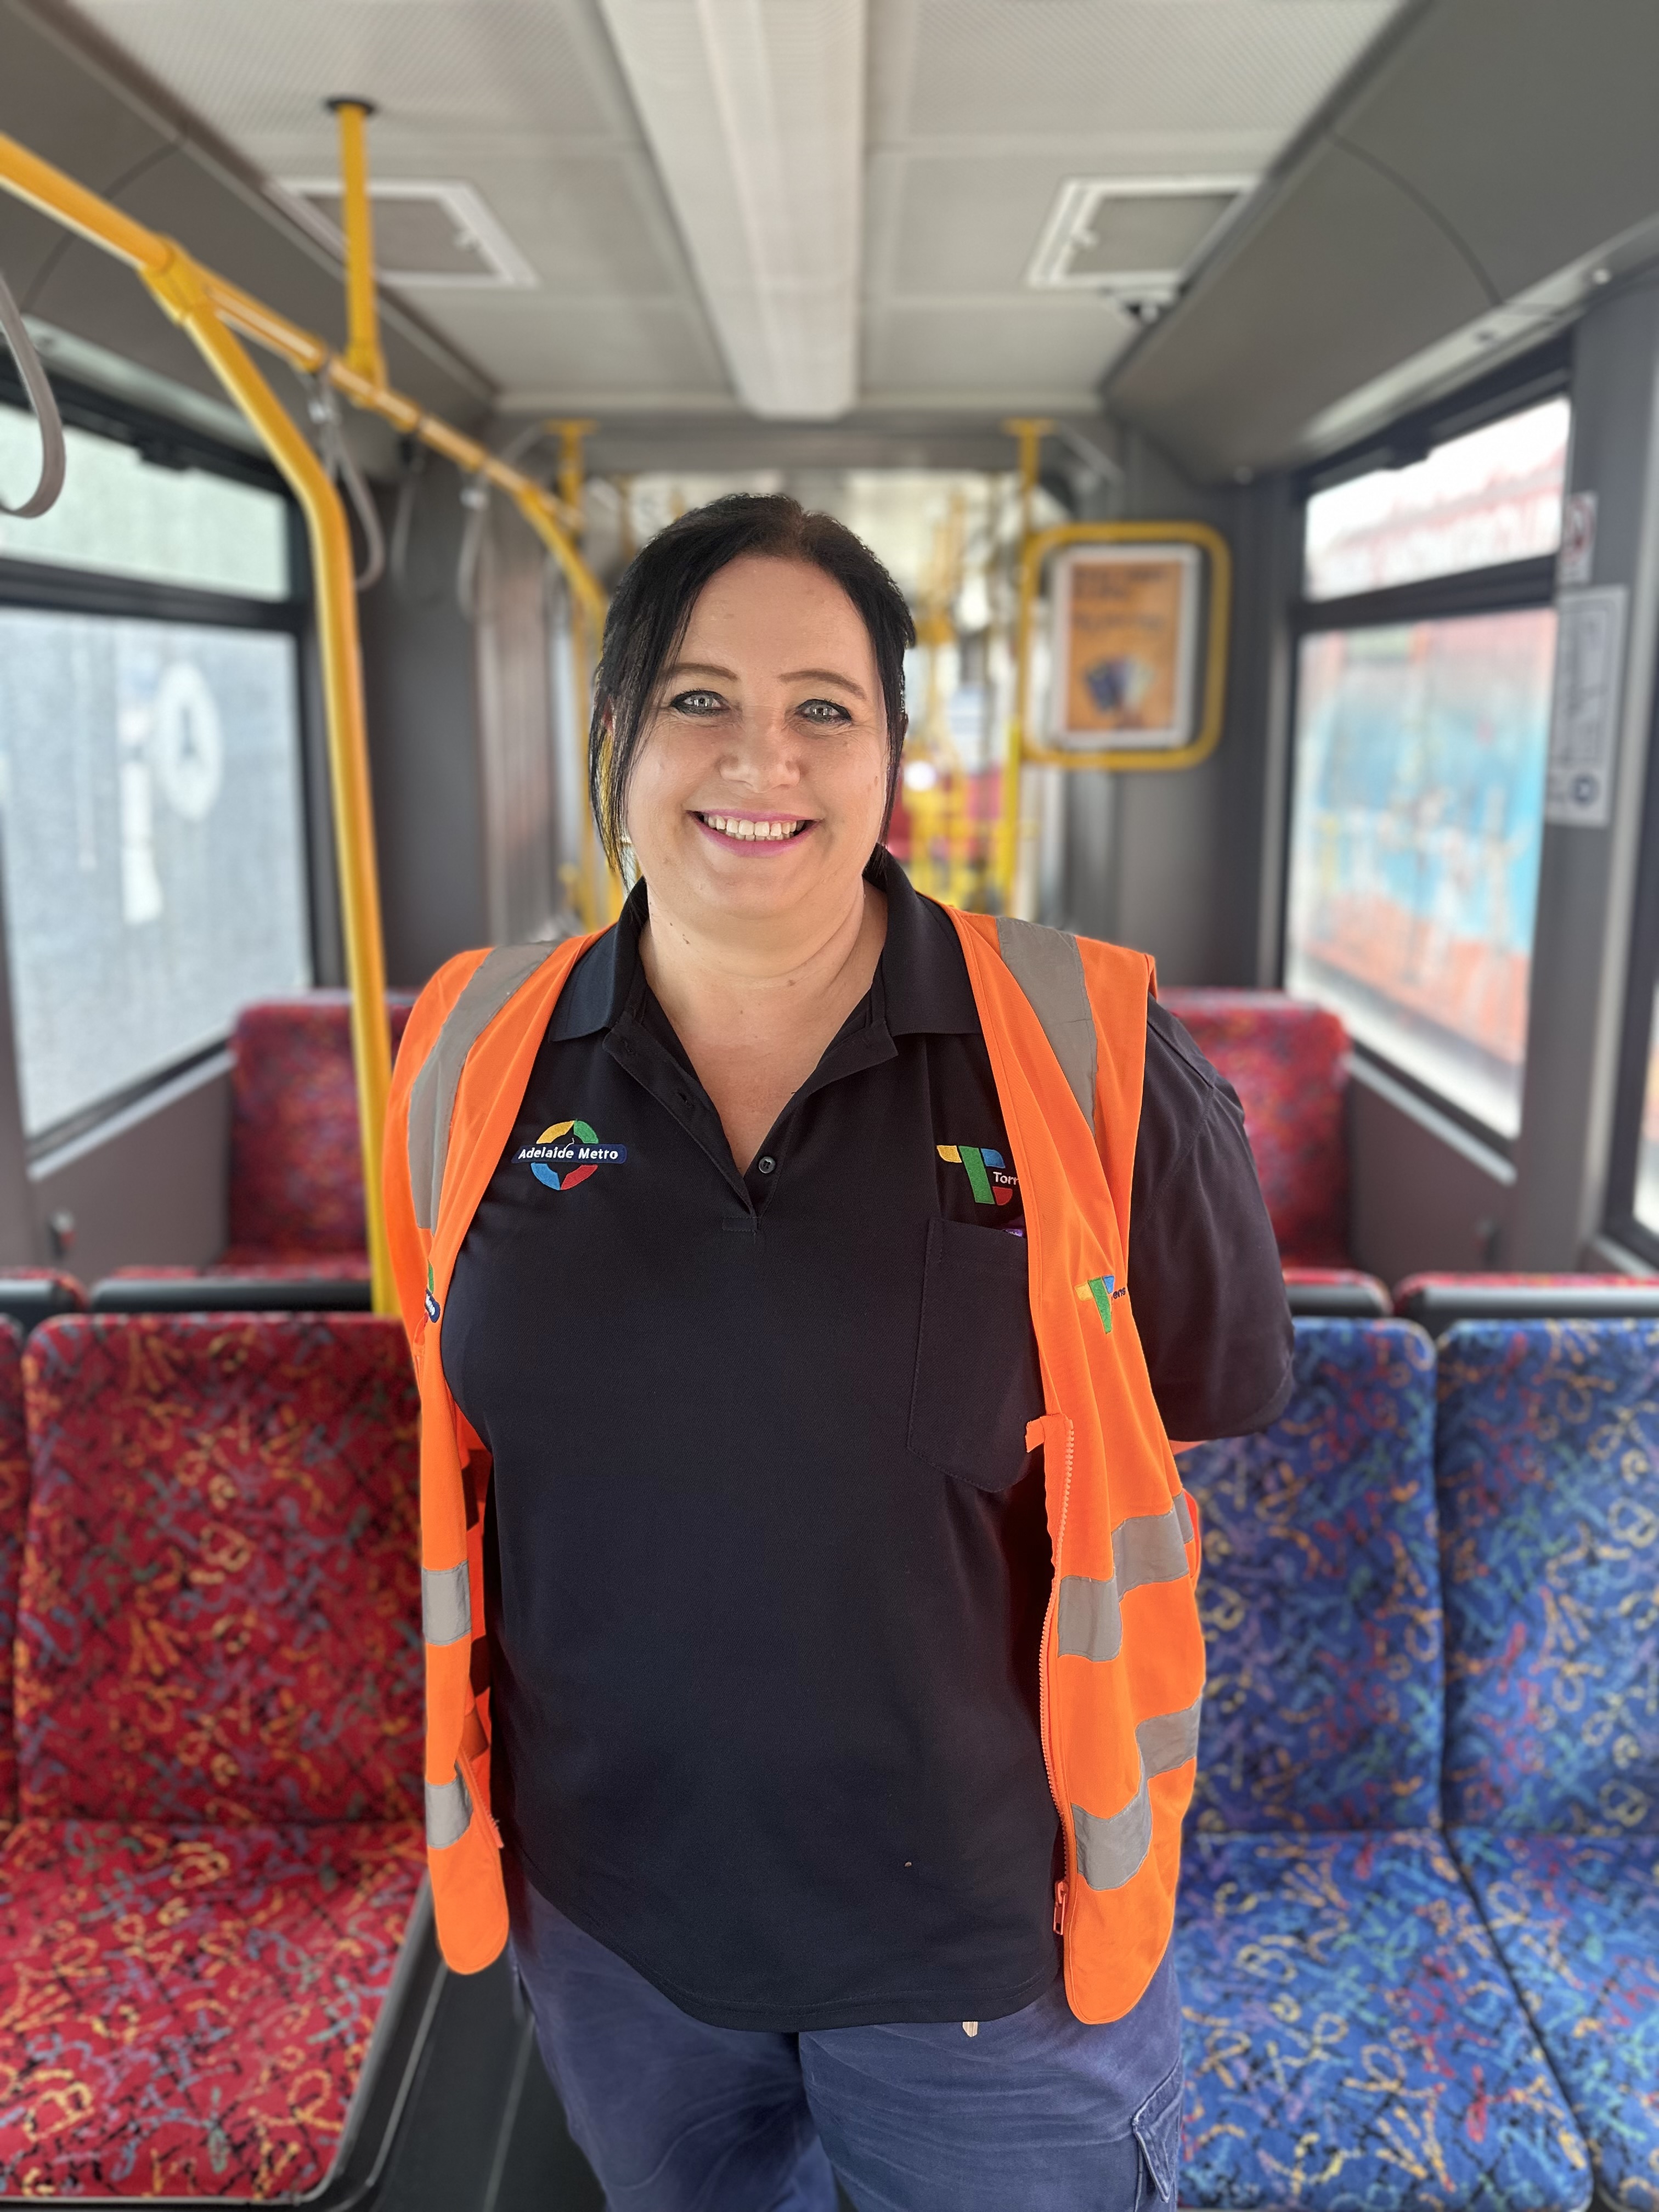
(424, 232)
(1129, 236)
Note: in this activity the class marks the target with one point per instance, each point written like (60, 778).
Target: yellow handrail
(358, 227)
(213, 310)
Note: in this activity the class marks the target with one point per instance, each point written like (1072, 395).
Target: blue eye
(823, 710)
(697, 702)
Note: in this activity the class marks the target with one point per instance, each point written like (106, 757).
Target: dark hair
(652, 606)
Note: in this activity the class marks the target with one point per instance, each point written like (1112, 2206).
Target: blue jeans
(1035, 2114)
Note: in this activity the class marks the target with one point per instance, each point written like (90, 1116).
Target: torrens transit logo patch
(1099, 1291)
(988, 1172)
(567, 1153)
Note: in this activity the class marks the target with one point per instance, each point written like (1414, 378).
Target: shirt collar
(922, 977)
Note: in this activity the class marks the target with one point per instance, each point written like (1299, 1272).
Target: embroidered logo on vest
(1099, 1291)
(567, 1153)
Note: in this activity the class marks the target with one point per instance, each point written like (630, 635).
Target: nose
(762, 755)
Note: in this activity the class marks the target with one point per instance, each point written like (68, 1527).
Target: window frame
(59, 587)
(1637, 1030)
(1506, 587)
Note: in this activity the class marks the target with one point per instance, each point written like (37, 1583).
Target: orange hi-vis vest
(1122, 1658)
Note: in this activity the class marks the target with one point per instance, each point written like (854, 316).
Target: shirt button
(766, 1164)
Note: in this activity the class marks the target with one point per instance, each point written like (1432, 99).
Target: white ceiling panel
(1052, 355)
(985, 69)
(610, 353)
(255, 67)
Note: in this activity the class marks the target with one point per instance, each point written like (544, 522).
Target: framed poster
(1124, 646)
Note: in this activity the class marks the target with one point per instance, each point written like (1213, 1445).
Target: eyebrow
(792, 675)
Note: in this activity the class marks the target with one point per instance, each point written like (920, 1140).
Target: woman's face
(760, 785)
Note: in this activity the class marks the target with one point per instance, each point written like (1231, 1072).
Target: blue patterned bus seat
(1547, 1450)
(1321, 1596)
(1353, 2043)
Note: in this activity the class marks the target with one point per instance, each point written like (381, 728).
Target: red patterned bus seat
(296, 1182)
(14, 1509)
(1288, 1061)
(219, 1717)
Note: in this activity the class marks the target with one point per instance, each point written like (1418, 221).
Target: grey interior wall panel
(1587, 875)
(1422, 1196)
(1495, 149)
(422, 742)
(1171, 861)
(150, 1187)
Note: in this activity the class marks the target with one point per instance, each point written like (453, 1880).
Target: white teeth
(748, 832)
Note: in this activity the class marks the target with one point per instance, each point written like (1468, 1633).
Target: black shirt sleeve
(1205, 1278)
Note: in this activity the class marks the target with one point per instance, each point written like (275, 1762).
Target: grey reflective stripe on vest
(445, 1604)
(1048, 967)
(1150, 1547)
(432, 1098)
(448, 1812)
(1111, 1851)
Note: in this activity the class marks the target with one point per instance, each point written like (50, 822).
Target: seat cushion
(1576, 1919)
(1352, 2042)
(1548, 1464)
(296, 1177)
(219, 1618)
(1320, 1595)
(186, 2010)
(1288, 1061)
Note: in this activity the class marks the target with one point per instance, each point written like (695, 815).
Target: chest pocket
(978, 1381)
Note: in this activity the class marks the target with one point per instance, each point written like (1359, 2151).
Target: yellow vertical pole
(363, 351)
(179, 285)
(1030, 434)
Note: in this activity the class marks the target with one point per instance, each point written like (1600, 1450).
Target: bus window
(121, 516)
(1421, 732)
(151, 823)
(1417, 822)
(1491, 496)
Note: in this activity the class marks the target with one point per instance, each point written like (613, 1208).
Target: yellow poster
(1124, 627)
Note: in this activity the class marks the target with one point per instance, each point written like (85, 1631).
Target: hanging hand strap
(343, 469)
(48, 421)
(475, 498)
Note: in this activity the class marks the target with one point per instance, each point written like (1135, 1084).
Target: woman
(770, 1295)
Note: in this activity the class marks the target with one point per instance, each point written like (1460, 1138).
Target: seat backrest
(13, 1509)
(1288, 1062)
(219, 1618)
(1547, 1466)
(1320, 1595)
(296, 1178)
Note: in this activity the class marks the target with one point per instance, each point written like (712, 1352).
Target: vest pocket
(978, 1381)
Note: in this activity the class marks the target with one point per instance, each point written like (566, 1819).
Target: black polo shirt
(766, 1560)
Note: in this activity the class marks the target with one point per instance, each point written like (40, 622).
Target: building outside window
(1425, 658)
(151, 816)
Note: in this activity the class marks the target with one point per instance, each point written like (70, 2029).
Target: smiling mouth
(747, 830)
